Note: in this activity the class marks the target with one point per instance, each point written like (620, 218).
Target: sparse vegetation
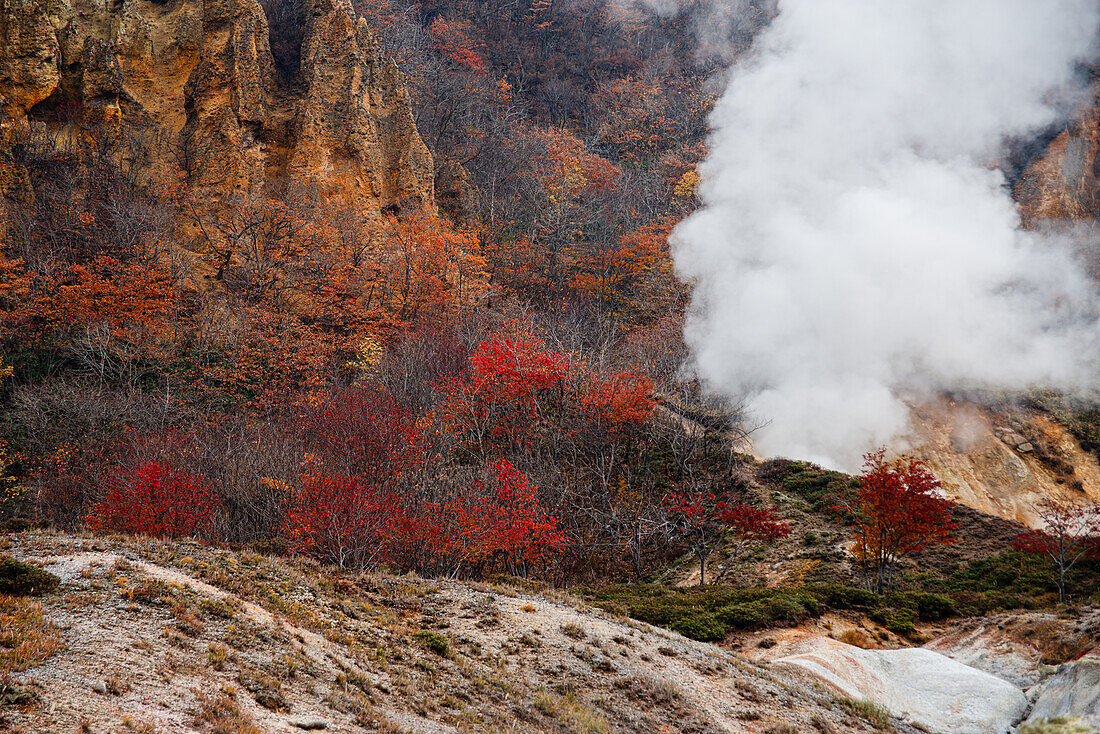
(1056, 725)
(219, 713)
(26, 638)
(872, 713)
(435, 642)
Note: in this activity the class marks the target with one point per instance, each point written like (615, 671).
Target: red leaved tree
(703, 521)
(154, 499)
(498, 524)
(898, 510)
(497, 407)
(342, 520)
(347, 509)
(1072, 532)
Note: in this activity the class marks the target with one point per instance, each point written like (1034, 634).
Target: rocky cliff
(1003, 462)
(1062, 183)
(193, 84)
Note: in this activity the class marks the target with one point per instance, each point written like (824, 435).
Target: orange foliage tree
(898, 510)
(632, 274)
(107, 314)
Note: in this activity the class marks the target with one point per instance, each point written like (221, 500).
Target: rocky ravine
(194, 83)
(988, 675)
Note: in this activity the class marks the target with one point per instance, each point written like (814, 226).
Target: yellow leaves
(369, 355)
(686, 187)
(5, 370)
(278, 485)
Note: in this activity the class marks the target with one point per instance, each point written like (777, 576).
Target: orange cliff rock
(192, 84)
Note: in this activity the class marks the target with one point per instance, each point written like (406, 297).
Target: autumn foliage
(897, 510)
(497, 524)
(342, 520)
(1071, 533)
(157, 500)
(704, 521)
(459, 391)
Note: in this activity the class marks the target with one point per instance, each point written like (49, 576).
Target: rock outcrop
(923, 687)
(1063, 183)
(985, 461)
(1072, 691)
(1052, 658)
(455, 193)
(193, 83)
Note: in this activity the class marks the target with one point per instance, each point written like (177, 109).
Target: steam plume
(855, 246)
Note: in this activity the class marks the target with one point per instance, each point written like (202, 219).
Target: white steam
(855, 246)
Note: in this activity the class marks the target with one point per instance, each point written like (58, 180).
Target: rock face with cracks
(193, 84)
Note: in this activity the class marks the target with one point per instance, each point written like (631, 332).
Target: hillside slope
(1003, 462)
(180, 637)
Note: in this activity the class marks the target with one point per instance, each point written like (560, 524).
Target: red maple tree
(898, 510)
(703, 521)
(1072, 532)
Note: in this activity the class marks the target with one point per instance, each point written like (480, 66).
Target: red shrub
(505, 397)
(342, 520)
(156, 500)
(498, 525)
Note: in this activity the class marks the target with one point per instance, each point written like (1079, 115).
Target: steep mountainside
(194, 83)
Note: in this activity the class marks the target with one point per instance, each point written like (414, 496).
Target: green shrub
(702, 626)
(785, 609)
(932, 607)
(838, 596)
(435, 642)
(22, 579)
(898, 621)
(818, 487)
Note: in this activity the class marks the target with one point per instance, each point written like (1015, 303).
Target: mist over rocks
(857, 247)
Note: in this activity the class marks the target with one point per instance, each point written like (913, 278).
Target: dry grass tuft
(26, 638)
(220, 714)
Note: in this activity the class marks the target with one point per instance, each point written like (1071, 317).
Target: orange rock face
(193, 84)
